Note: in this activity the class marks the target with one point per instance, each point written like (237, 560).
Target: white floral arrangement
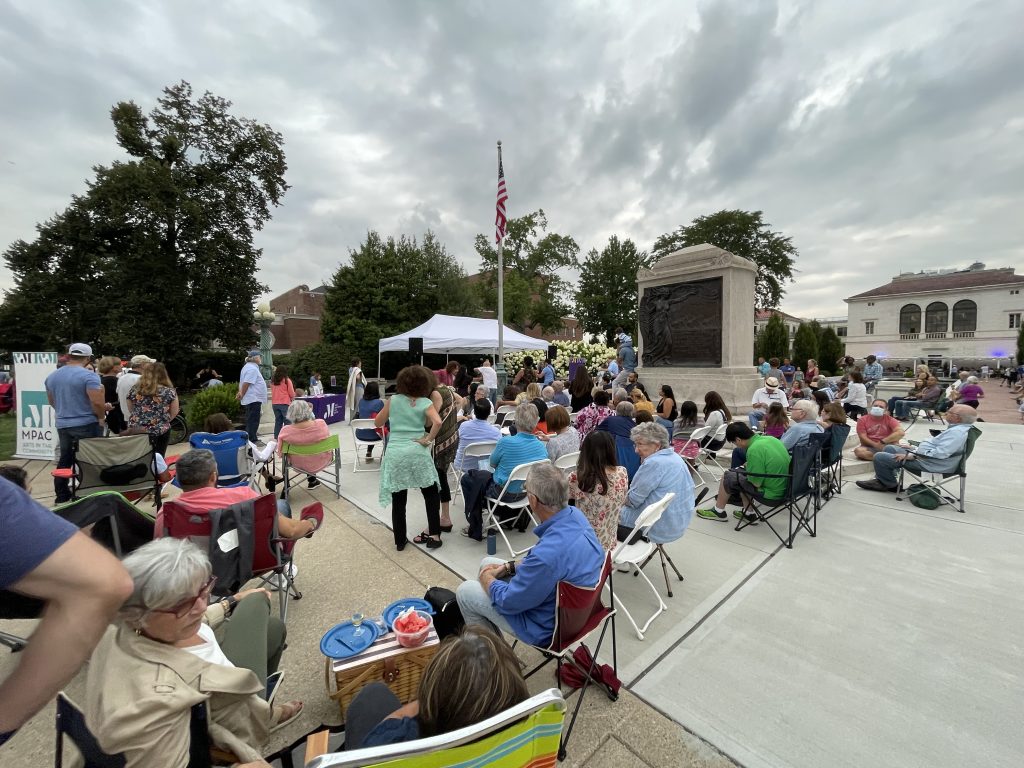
(594, 354)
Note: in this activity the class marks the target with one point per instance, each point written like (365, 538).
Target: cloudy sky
(882, 136)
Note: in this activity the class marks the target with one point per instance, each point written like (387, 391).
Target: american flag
(499, 215)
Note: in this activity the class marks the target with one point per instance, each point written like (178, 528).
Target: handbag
(923, 496)
(448, 619)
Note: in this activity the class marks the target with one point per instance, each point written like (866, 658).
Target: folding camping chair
(641, 551)
(938, 482)
(124, 464)
(527, 735)
(331, 443)
(797, 501)
(491, 505)
(830, 471)
(236, 465)
(479, 451)
(930, 411)
(359, 443)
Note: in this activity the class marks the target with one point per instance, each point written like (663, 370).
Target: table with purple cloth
(330, 408)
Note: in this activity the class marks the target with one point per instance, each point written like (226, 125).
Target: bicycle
(179, 429)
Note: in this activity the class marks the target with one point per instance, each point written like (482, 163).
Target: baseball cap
(254, 353)
(142, 360)
(80, 350)
(771, 382)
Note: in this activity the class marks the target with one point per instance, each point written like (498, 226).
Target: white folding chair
(501, 414)
(567, 462)
(478, 451)
(359, 444)
(696, 457)
(491, 505)
(572, 416)
(633, 555)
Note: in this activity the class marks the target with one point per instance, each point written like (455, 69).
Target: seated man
(475, 430)
(765, 455)
(764, 397)
(873, 372)
(560, 397)
(875, 430)
(519, 598)
(939, 454)
(631, 381)
(803, 422)
(927, 398)
(511, 451)
(197, 474)
(661, 471)
(548, 393)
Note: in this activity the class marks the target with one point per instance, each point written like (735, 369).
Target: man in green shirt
(765, 455)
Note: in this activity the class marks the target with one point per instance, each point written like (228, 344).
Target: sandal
(289, 712)
(424, 538)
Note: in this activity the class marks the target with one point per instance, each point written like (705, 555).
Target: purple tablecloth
(330, 408)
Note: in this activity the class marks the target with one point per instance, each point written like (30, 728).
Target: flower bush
(594, 354)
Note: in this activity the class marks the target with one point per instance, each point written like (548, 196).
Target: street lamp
(264, 317)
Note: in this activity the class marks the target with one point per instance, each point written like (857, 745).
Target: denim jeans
(886, 466)
(253, 413)
(67, 437)
(280, 418)
(476, 605)
(755, 417)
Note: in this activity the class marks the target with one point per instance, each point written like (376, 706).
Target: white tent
(460, 335)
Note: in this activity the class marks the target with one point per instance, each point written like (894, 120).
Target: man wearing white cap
(130, 378)
(76, 395)
(770, 393)
(252, 391)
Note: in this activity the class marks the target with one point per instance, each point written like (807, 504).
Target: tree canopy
(830, 349)
(773, 341)
(610, 272)
(389, 287)
(805, 345)
(532, 257)
(743, 233)
(158, 254)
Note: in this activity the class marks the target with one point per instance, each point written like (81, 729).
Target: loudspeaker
(552, 352)
(416, 345)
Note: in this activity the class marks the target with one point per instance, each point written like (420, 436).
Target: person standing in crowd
(811, 371)
(527, 374)
(282, 392)
(152, 405)
(788, 372)
(489, 378)
(447, 404)
(547, 373)
(109, 367)
(970, 393)
(316, 386)
(252, 392)
(624, 349)
(354, 388)
(763, 367)
(129, 379)
(76, 395)
(462, 381)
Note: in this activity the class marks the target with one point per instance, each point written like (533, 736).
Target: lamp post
(264, 317)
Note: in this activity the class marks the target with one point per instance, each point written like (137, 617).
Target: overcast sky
(882, 136)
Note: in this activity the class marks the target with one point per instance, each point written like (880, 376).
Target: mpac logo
(37, 417)
(330, 410)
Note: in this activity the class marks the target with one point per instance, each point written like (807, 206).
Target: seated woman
(686, 422)
(832, 413)
(641, 401)
(509, 396)
(855, 400)
(305, 430)
(665, 412)
(369, 406)
(565, 438)
(474, 675)
(535, 395)
(661, 471)
(170, 649)
(776, 422)
(716, 414)
(599, 485)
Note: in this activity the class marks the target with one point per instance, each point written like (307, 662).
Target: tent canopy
(460, 335)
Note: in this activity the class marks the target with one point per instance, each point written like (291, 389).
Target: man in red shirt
(876, 429)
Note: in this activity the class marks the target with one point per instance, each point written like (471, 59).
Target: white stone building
(970, 316)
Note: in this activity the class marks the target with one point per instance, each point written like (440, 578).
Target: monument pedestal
(697, 326)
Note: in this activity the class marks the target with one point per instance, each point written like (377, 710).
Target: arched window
(965, 316)
(936, 318)
(910, 319)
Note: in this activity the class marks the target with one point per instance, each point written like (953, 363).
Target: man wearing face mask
(876, 429)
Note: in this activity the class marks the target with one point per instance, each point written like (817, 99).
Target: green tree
(743, 233)
(830, 349)
(805, 345)
(389, 287)
(533, 289)
(1020, 346)
(607, 294)
(326, 359)
(158, 253)
(773, 341)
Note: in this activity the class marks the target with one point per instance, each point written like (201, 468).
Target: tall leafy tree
(805, 345)
(1020, 346)
(165, 237)
(830, 349)
(388, 287)
(607, 293)
(743, 233)
(534, 291)
(773, 341)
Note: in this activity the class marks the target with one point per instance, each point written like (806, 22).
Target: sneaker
(711, 514)
(312, 482)
(750, 517)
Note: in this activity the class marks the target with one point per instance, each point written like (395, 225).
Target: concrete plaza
(888, 640)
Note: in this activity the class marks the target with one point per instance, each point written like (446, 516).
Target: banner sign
(37, 421)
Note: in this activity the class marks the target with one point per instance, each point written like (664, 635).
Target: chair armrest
(316, 745)
(758, 474)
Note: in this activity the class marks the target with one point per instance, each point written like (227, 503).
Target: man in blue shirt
(475, 430)
(873, 372)
(76, 395)
(252, 391)
(561, 397)
(547, 372)
(940, 454)
(803, 423)
(788, 371)
(519, 599)
(625, 350)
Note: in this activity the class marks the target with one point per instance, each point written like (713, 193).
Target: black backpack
(448, 619)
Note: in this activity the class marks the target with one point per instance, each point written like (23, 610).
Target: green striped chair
(525, 736)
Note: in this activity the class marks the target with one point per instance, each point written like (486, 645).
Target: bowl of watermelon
(412, 627)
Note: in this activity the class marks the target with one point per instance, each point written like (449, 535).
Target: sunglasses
(185, 607)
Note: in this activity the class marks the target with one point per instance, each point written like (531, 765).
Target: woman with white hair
(172, 648)
(304, 429)
(661, 471)
(970, 393)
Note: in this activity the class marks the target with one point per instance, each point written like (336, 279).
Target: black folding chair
(830, 475)
(124, 464)
(798, 500)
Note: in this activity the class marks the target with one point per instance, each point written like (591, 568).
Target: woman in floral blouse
(599, 486)
(589, 417)
(152, 405)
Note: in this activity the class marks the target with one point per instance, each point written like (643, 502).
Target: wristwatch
(229, 604)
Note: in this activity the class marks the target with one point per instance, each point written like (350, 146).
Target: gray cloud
(880, 136)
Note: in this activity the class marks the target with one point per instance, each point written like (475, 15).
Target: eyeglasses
(188, 605)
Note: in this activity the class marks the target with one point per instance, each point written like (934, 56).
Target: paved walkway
(889, 639)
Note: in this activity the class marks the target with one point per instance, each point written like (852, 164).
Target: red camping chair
(271, 555)
(579, 613)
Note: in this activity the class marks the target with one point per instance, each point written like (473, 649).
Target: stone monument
(697, 326)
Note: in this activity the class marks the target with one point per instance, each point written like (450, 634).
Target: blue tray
(340, 642)
(392, 611)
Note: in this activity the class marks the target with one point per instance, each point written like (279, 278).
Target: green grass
(7, 441)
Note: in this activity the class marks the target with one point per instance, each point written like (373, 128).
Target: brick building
(298, 318)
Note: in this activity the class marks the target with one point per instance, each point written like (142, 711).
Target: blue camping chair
(235, 466)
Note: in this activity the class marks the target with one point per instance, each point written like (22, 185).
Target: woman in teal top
(408, 462)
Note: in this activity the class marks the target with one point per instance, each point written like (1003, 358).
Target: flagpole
(499, 364)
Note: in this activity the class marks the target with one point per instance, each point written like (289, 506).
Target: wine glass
(357, 622)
